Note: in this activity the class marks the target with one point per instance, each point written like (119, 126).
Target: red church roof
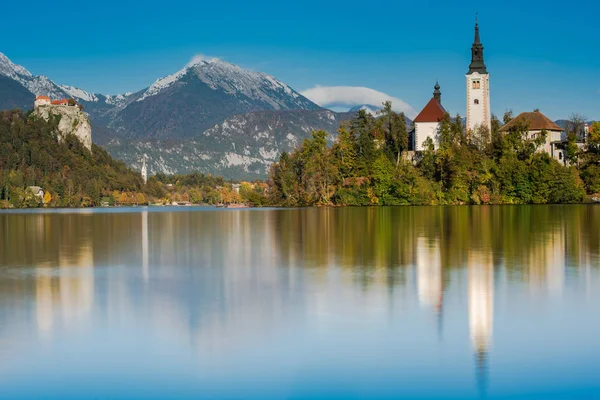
(42, 98)
(58, 102)
(433, 112)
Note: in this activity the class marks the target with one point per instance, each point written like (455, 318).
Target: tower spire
(477, 39)
(436, 92)
(477, 63)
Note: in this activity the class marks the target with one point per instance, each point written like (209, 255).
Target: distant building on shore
(42, 101)
(37, 191)
(536, 123)
(556, 138)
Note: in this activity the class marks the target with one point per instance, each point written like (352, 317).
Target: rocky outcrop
(72, 121)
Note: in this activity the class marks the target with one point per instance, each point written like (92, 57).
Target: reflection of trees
(208, 276)
(526, 240)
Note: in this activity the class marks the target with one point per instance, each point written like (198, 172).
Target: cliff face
(72, 121)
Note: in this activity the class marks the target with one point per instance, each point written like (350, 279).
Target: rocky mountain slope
(71, 121)
(14, 95)
(241, 147)
(199, 96)
(211, 116)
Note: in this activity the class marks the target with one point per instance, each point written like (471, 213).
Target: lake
(323, 303)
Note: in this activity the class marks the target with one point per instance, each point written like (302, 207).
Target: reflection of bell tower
(145, 271)
(481, 310)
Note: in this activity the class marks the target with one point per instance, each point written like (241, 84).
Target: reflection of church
(481, 308)
(429, 273)
(480, 273)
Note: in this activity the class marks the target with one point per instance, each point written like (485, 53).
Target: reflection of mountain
(67, 296)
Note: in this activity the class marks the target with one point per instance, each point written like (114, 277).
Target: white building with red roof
(46, 101)
(427, 123)
(41, 101)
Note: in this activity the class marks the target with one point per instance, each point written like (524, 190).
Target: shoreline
(171, 208)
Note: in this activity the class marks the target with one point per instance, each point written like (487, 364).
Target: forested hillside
(71, 175)
(368, 165)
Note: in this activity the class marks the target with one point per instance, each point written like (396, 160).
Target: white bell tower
(478, 88)
(144, 170)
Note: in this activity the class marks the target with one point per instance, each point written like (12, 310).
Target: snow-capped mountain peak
(77, 93)
(10, 69)
(38, 85)
(223, 76)
(42, 85)
(162, 83)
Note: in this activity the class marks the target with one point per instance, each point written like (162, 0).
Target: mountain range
(211, 116)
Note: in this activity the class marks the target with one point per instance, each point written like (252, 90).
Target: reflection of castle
(70, 296)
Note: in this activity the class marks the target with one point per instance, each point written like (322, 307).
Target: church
(478, 112)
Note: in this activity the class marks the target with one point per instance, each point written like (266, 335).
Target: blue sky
(538, 55)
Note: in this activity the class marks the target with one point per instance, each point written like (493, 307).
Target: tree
(140, 199)
(30, 200)
(362, 128)
(571, 149)
(47, 198)
(393, 126)
(590, 168)
(344, 152)
(575, 126)
(427, 161)
(383, 171)
(480, 138)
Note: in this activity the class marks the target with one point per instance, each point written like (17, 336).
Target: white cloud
(336, 96)
(199, 57)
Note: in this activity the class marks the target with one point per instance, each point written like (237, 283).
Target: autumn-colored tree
(47, 198)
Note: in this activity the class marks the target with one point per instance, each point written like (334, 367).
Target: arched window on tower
(476, 101)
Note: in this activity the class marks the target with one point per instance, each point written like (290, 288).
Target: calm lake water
(349, 303)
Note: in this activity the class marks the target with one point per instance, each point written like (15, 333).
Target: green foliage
(31, 155)
(590, 160)
(365, 167)
(394, 131)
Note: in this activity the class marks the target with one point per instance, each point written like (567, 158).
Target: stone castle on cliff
(73, 121)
